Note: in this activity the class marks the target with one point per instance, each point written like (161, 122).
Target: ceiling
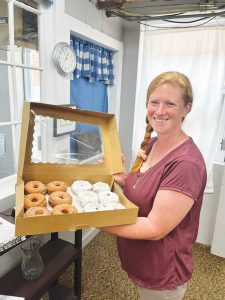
(145, 10)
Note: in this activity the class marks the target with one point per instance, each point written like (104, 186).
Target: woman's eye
(153, 103)
(170, 104)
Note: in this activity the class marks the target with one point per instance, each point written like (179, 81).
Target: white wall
(87, 13)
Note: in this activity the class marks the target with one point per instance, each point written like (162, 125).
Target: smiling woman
(168, 188)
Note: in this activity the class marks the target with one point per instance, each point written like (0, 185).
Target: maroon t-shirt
(168, 262)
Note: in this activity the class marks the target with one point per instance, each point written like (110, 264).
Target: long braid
(138, 162)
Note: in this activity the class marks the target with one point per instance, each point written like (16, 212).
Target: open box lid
(49, 143)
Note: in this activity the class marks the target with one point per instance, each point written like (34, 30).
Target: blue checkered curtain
(93, 62)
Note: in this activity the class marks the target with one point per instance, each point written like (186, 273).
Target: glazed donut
(86, 197)
(100, 187)
(54, 186)
(60, 197)
(62, 209)
(37, 211)
(34, 200)
(80, 186)
(108, 197)
(35, 187)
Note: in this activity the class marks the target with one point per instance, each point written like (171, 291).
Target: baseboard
(89, 235)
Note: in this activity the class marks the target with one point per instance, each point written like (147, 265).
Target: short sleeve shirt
(165, 263)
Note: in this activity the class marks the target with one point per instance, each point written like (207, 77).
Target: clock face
(64, 58)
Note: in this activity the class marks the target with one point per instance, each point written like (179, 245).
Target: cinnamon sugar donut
(34, 200)
(62, 209)
(54, 186)
(35, 186)
(59, 197)
(37, 211)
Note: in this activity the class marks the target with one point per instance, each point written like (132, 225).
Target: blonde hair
(176, 79)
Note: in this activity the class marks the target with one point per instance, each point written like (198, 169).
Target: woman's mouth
(160, 120)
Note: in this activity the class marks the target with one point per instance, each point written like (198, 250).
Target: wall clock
(64, 58)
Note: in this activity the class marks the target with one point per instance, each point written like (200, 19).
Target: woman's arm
(169, 209)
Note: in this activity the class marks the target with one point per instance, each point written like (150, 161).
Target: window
(19, 75)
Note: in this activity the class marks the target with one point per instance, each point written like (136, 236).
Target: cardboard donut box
(69, 172)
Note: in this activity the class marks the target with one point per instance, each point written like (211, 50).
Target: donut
(86, 197)
(80, 186)
(108, 197)
(34, 200)
(113, 206)
(59, 197)
(100, 187)
(62, 209)
(54, 186)
(89, 207)
(35, 187)
(37, 211)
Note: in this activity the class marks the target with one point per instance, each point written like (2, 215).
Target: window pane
(6, 152)
(26, 28)
(4, 30)
(28, 87)
(62, 141)
(30, 3)
(4, 94)
(27, 56)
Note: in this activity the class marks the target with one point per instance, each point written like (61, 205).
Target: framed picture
(62, 127)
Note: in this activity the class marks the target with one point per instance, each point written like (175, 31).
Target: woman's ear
(188, 107)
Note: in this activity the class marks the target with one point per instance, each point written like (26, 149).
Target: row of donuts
(35, 202)
(35, 186)
(84, 196)
(95, 197)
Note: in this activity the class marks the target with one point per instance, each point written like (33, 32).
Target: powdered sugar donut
(80, 186)
(93, 207)
(108, 197)
(86, 197)
(100, 187)
(113, 206)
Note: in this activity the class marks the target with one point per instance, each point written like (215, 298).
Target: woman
(156, 251)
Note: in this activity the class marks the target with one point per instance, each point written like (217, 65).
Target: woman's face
(166, 108)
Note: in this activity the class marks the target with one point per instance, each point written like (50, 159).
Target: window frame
(7, 184)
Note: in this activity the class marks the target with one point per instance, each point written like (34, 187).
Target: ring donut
(108, 197)
(63, 209)
(35, 186)
(59, 197)
(37, 211)
(34, 200)
(54, 186)
(86, 197)
(100, 187)
(80, 186)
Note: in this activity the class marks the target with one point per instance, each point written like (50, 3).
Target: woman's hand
(142, 154)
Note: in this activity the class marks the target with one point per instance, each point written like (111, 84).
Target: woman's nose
(160, 109)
